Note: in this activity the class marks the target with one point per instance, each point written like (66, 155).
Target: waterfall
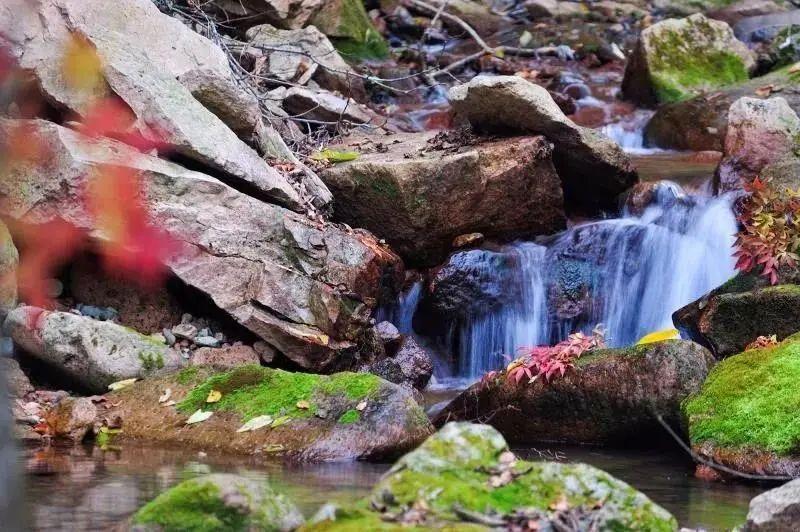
(629, 273)
(629, 133)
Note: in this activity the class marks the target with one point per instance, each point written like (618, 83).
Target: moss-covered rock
(347, 24)
(9, 259)
(314, 417)
(745, 416)
(465, 478)
(610, 396)
(219, 502)
(677, 58)
(730, 317)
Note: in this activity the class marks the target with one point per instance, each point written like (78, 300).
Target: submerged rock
(745, 416)
(219, 502)
(612, 395)
(345, 416)
(307, 288)
(9, 260)
(465, 478)
(420, 191)
(730, 317)
(677, 58)
(72, 418)
(91, 353)
(594, 170)
(777, 510)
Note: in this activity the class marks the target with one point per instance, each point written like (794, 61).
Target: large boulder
(9, 260)
(345, 416)
(307, 288)
(219, 501)
(730, 317)
(677, 58)
(701, 123)
(465, 478)
(91, 353)
(745, 416)
(760, 132)
(143, 66)
(776, 510)
(611, 396)
(420, 191)
(593, 168)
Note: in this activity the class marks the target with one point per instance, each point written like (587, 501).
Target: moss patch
(751, 400)
(187, 375)
(347, 24)
(252, 391)
(349, 417)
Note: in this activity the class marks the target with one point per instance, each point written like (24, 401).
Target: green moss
(187, 375)
(193, 506)
(751, 400)
(151, 361)
(252, 391)
(349, 417)
(347, 24)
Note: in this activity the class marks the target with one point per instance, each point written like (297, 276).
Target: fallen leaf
(165, 396)
(169, 403)
(198, 417)
(119, 385)
(361, 406)
(659, 336)
(280, 421)
(256, 423)
(214, 396)
(335, 156)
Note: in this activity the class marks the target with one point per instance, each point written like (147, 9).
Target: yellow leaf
(659, 336)
(335, 156)
(81, 66)
(119, 385)
(303, 405)
(213, 396)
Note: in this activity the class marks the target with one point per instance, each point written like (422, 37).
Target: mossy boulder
(344, 416)
(465, 478)
(347, 24)
(611, 396)
(219, 502)
(9, 260)
(678, 58)
(729, 318)
(745, 416)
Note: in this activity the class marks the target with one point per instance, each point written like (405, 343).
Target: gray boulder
(92, 353)
(777, 510)
(325, 106)
(9, 260)
(593, 168)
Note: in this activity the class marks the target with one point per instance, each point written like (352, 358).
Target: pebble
(186, 331)
(206, 341)
(97, 313)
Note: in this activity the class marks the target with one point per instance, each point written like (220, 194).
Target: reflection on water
(83, 488)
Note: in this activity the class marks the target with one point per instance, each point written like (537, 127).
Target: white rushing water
(629, 274)
(629, 133)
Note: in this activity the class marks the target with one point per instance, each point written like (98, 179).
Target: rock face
(420, 192)
(410, 365)
(473, 473)
(744, 416)
(91, 353)
(677, 58)
(346, 416)
(760, 132)
(593, 168)
(143, 66)
(701, 123)
(777, 510)
(610, 396)
(304, 287)
(219, 501)
(730, 317)
(9, 260)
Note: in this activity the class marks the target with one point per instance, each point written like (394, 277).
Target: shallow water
(84, 488)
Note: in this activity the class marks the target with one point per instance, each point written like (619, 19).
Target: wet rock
(9, 260)
(388, 334)
(225, 358)
(92, 353)
(307, 288)
(72, 418)
(760, 132)
(777, 510)
(743, 417)
(468, 240)
(17, 383)
(610, 396)
(481, 485)
(411, 365)
(677, 58)
(219, 500)
(419, 191)
(593, 168)
(185, 331)
(730, 317)
(345, 416)
(206, 341)
(476, 13)
(301, 55)
(325, 106)
(97, 313)
(555, 9)
(163, 108)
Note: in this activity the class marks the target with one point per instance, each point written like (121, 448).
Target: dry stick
(714, 465)
(469, 29)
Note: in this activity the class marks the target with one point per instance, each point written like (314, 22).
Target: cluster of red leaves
(770, 234)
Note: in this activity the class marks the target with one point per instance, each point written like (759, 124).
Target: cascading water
(629, 274)
(629, 133)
